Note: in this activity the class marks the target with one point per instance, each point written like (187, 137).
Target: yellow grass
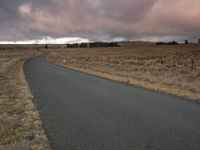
(170, 69)
(20, 125)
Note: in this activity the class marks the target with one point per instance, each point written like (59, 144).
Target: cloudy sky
(97, 20)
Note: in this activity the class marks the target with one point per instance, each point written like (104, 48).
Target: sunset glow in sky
(99, 20)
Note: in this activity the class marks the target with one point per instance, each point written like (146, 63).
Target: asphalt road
(84, 112)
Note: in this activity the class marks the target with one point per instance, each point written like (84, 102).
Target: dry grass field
(170, 69)
(20, 125)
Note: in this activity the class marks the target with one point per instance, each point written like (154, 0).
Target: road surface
(83, 112)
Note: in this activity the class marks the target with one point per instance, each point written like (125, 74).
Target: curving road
(84, 112)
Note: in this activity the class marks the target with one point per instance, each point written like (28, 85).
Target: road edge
(126, 82)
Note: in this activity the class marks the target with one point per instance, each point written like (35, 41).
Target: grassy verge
(20, 125)
(170, 69)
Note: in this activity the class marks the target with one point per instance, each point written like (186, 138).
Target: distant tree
(103, 44)
(83, 45)
(186, 41)
(161, 43)
(93, 44)
(76, 45)
(199, 41)
(169, 43)
(173, 43)
(69, 46)
(46, 46)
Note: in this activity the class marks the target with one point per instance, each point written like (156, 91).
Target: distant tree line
(167, 43)
(110, 44)
(186, 42)
(94, 44)
(176, 43)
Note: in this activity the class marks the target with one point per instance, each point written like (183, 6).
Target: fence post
(192, 67)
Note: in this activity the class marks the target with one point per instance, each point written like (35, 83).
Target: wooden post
(161, 62)
(192, 67)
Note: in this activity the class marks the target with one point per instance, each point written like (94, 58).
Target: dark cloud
(99, 19)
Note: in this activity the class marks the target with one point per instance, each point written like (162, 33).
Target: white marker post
(64, 61)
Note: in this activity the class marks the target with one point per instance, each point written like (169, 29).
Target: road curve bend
(83, 112)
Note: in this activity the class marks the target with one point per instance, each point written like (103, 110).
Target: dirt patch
(20, 125)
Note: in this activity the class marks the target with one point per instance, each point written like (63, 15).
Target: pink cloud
(109, 18)
(25, 9)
